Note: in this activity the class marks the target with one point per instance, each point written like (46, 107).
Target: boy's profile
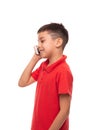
(54, 79)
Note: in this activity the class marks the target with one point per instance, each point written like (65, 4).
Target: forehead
(44, 34)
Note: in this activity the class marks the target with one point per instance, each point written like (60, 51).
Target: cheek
(49, 49)
(49, 46)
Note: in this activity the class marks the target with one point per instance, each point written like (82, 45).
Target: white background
(19, 22)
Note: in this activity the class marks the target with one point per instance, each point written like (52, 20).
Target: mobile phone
(37, 52)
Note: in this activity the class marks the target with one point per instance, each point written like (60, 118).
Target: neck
(54, 58)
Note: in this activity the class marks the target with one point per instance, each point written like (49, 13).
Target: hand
(36, 57)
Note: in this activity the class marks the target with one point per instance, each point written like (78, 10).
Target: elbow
(66, 113)
(21, 84)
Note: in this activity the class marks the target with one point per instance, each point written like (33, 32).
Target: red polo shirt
(51, 81)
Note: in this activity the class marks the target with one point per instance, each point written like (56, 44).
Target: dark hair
(56, 30)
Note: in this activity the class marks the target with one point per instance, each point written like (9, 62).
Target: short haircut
(56, 30)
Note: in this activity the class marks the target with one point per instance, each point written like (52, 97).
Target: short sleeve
(65, 83)
(35, 73)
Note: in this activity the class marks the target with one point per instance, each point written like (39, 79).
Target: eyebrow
(40, 38)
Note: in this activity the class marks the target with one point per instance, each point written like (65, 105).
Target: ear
(59, 42)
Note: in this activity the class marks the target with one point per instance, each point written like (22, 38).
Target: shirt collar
(52, 66)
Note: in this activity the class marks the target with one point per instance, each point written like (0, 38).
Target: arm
(26, 78)
(64, 112)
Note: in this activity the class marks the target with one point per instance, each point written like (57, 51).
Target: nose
(39, 44)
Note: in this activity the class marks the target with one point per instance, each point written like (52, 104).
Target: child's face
(46, 44)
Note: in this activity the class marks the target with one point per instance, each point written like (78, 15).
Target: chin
(42, 56)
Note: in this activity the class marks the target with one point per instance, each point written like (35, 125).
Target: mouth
(41, 50)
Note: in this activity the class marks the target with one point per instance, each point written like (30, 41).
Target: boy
(54, 79)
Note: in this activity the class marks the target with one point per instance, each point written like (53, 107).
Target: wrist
(36, 57)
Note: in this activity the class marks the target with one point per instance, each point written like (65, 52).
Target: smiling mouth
(41, 50)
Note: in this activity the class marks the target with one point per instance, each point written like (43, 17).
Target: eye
(42, 41)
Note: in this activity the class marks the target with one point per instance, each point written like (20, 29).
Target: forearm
(59, 120)
(24, 79)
